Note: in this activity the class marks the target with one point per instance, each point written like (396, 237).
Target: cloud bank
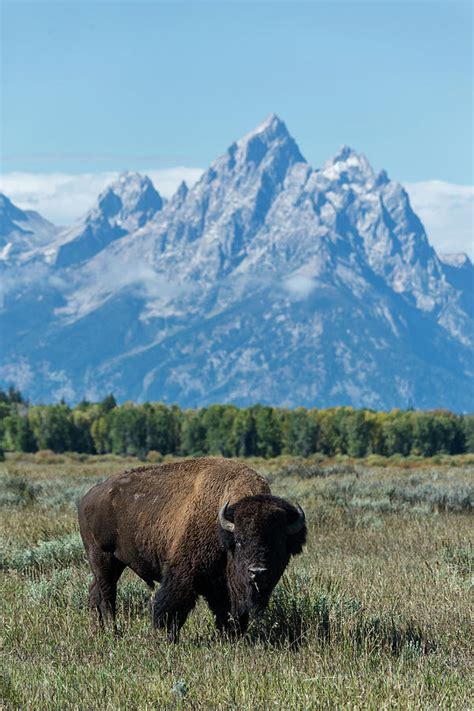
(62, 198)
(447, 213)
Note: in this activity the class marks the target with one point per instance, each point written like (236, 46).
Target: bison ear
(296, 530)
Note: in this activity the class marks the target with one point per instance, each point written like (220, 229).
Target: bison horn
(224, 522)
(297, 525)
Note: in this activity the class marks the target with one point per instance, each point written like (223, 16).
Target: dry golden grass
(376, 614)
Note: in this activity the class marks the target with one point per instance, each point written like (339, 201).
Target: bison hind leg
(95, 600)
(103, 590)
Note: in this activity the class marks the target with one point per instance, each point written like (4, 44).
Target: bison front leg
(172, 604)
(220, 605)
(234, 626)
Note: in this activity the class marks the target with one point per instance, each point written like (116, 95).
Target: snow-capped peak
(130, 183)
(344, 153)
(123, 207)
(348, 166)
(270, 135)
(134, 192)
(270, 128)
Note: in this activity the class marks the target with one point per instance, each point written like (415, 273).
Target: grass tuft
(460, 557)
(301, 609)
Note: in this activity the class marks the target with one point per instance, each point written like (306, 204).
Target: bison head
(260, 534)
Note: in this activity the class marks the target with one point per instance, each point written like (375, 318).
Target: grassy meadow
(376, 614)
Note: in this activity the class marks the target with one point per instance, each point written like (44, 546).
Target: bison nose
(256, 571)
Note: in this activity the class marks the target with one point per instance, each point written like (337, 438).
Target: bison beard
(206, 526)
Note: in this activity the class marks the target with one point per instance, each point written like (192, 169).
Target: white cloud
(447, 212)
(14, 279)
(63, 197)
(117, 272)
(299, 285)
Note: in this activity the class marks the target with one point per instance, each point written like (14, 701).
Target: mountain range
(267, 281)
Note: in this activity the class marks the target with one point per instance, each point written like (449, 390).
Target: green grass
(376, 614)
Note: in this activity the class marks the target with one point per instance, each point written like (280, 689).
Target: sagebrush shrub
(56, 553)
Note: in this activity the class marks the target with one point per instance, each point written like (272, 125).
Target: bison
(206, 526)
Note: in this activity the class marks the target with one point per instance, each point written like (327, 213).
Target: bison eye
(238, 545)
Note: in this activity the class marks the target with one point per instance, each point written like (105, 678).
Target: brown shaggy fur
(161, 521)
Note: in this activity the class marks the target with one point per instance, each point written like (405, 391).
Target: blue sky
(97, 87)
(100, 85)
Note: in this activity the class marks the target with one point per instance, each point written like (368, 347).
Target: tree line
(263, 431)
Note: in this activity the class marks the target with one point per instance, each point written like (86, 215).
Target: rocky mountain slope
(125, 206)
(266, 281)
(22, 232)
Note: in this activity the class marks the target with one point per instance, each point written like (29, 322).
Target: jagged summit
(131, 177)
(223, 212)
(123, 207)
(347, 165)
(129, 193)
(344, 153)
(130, 182)
(270, 128)
(269, 136)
